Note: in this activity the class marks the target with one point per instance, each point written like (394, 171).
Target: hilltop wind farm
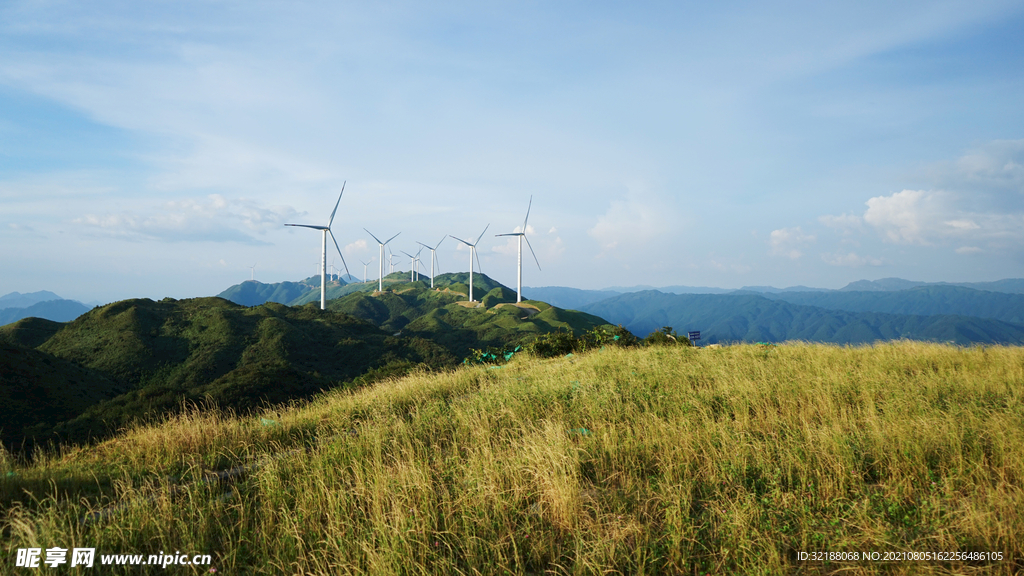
(774, 324)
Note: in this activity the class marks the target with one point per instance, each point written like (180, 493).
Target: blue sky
(156, 149)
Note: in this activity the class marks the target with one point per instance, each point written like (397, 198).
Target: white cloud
(931, 217)
(786, 242)
(968, 250)
(845, 223)
(998, 164)
(632, 221)
(904, 216)
(354, 247)
(850, 259)
(962, 225)
(214, 219)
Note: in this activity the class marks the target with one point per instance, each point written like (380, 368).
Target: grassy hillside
(661, 460)
(749, 318)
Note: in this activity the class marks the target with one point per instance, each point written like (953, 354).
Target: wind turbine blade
(393, 237)
(418, 253)
(339, 250)
(424, 246)
(331, 221)
(479, 267)
(532, 252)
(406, 253)
(308, 226)
(439, 243)
(527, 213)
(463, 241)
(374, 237)
(512, 234)
(436, 261)
(481, 234)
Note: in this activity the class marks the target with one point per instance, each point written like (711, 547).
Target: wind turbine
(253, 268)
(472, 254)
(391, 261)
(519, 270)
(380, 284)
(365, 264)
(413, 260)
(325, 230)
(433, 258)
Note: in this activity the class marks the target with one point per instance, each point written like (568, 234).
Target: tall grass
(644, 461)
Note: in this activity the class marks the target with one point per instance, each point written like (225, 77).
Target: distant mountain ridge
(756, 318)
(19, 300)
(926, 300)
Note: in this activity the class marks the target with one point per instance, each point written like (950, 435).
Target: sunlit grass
(644, 461)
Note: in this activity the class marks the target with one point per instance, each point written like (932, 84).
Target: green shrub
(666, 336)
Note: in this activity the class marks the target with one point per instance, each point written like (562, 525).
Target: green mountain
(922, 300)
(254, 292)
(443, 315)
(139, 359)
(750, 318)
(564, 297)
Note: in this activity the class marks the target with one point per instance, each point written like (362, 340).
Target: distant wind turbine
(433, 258)
(380, 285)
(325, 230)
(472, 254)
(365, 264)
(519, 269)
(413, 261)
(253, 268)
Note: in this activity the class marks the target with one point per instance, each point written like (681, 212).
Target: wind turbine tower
(472, 255)
(413, 260)
(380, 283)
(365, 264)
(519, 269)
(433, 258)
(325, 230)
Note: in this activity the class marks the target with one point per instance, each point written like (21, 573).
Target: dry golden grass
(648, 461)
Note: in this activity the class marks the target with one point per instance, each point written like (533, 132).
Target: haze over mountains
(41, 304)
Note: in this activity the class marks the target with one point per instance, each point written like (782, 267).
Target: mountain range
(758, 318)
(140, 359)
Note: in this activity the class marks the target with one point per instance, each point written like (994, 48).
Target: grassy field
(659, 460)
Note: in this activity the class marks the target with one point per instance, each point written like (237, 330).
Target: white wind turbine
(325, 230)
(253, 268)
(413, 261)
(380, 283)
(433, 258)
(365, 264)
(472, 254)
(519, 269)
